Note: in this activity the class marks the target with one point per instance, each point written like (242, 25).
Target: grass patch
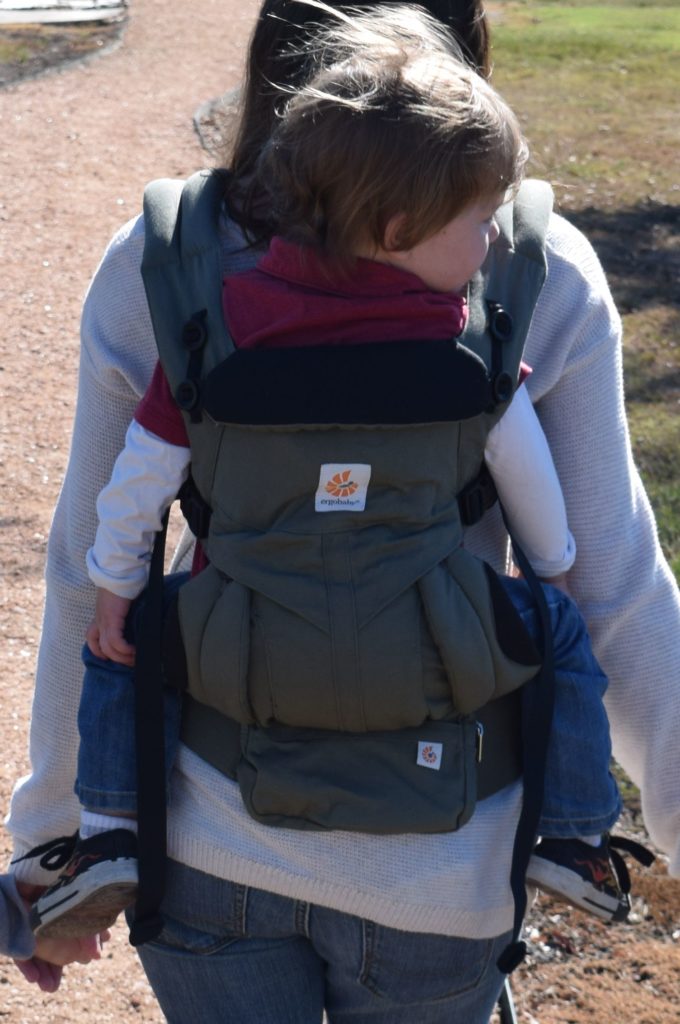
(595, 86)
(28, 50)
(586, 80)
(16, 51)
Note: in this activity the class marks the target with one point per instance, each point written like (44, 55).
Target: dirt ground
(78, 146)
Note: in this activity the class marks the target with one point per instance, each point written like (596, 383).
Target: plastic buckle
(502, 387)
(194, 332)
(500, 322)
(186, 395)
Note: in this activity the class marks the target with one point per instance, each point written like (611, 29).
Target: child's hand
(68, 951)
(105, 635)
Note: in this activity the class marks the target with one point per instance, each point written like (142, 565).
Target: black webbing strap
(195, 509)
(536, 735)
(150, 752)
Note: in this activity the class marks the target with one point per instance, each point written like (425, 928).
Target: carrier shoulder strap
(182, 274)
(502, 300)
(181, 253)
(503, 294)
(502, 297)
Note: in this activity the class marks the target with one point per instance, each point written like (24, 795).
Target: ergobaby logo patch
(342, 487)
(430, 754)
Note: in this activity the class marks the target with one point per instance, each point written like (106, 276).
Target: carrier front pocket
(411, 780)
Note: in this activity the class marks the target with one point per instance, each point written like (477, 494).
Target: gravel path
(78, 145)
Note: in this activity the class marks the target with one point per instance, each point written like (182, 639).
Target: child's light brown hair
(391, 127)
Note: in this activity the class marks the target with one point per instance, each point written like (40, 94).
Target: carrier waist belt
(217, 740)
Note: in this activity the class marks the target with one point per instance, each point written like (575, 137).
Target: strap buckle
(195, 509)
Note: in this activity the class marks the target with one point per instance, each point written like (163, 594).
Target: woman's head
(464, 19)
(279, 58)
(384, 147)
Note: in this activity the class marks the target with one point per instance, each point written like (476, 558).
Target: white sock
(591, 840)
(92, 824)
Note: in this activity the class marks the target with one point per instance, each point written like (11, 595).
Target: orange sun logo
(340, 485)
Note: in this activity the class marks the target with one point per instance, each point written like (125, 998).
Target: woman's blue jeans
(229, 954)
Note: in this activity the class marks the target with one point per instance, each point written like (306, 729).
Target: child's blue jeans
(107, 758)
(581, 797)
(580, 794)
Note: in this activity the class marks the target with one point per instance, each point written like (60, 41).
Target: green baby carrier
(345, 658)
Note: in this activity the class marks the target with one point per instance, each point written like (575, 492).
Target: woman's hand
(105, 636)
(45, 968)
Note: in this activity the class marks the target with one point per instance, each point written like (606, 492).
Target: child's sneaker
(99, 881)
(593, 878)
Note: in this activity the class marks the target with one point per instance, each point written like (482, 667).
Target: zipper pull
(479, 741)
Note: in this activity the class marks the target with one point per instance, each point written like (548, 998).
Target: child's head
(389, 144)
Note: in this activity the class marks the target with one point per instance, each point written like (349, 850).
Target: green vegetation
(27, 50)
(596, 87)
(609, 74)
(16, 51)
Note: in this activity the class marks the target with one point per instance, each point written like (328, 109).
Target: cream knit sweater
(455, 884)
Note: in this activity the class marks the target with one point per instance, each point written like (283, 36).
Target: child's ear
(392, 239)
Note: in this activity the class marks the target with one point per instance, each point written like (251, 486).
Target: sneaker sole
(80, 910)
(94, 914)
(569, 887)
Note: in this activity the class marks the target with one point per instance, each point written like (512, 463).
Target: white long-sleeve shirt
(149, 472)
(455, 883)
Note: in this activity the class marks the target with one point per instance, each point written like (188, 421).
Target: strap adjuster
(477, 497)
(194, 508)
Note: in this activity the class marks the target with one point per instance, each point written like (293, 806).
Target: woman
(435, 909)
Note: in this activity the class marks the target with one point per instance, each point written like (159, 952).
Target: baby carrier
(346, 659)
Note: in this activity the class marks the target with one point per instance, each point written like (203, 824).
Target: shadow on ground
(639, 247)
